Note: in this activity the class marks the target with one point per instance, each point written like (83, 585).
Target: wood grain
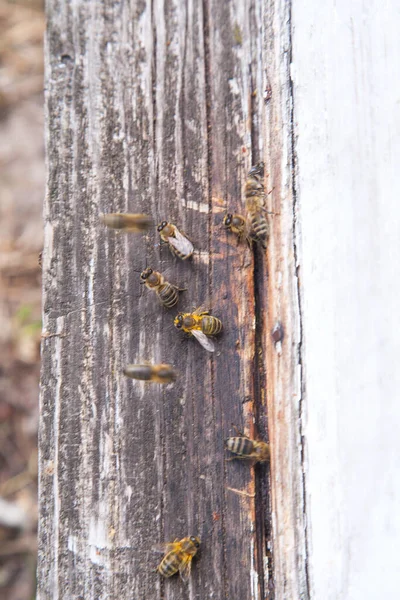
(149, 108)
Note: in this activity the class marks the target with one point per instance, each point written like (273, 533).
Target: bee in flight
(178, 557)
(200, 324)
(178, 243)
(129, 222)
(254, 192)
(154, 373)
(244, 447)
(166, 292)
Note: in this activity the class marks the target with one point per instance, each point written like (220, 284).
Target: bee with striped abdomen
(178, 557)
(129, 222)
(178, 243)
(244, 447)
(153, 373)
(254, 192)
(166, 292)
(200, 324)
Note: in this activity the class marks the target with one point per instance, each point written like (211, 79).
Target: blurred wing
(185, 568)
(165, 548)
(203, 340)
(181, 243)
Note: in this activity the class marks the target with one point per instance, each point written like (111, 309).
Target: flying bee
(244, 447)
(153, 373)
(167, 292)
(178, 557)
(178, 243)
(238, 225)
(254, 192)
(129, 222)
(200, 324)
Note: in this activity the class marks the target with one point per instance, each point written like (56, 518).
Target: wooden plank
(282, 341)
(346, 93)
(151, 106)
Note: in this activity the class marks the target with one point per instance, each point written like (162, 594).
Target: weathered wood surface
(162, 107)
(346, 101)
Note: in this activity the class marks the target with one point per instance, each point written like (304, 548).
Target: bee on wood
(152, 373)
(254, 192)
(166, 292)
(178, 557)
(200, 324)
(177, 242)
(238, 225)
(246, 448)
(129, 222)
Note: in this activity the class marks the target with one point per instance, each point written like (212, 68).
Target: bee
(238, 225)
(254, 192)
(136, 223)
(200, 324)
(178, 243)
(167, 292)
(244, 447)
(178, 557)
(152, 373)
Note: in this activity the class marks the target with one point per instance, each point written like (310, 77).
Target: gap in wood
(261, 471)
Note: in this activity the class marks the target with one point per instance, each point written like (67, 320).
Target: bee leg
(238, 432)
(178, 289)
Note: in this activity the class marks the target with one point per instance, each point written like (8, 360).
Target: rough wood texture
(162, 107)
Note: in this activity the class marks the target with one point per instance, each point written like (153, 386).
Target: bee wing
(181, 243)
(203, 340)
(185, 568)
(166, 547)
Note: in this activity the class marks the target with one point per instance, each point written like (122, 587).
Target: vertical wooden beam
(346, 98)
(150, 107)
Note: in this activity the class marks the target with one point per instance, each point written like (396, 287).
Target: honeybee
(244, 447)
(153, 373)
(167, 292)
(178, 243)
(200, 324)
(136, 223)
(178, 557)
(254, 192)
(238, 225)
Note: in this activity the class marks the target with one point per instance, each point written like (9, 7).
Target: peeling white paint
(253, 574)
(202, 207)
(234, 86)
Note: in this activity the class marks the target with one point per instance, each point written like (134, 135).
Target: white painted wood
(345, 68)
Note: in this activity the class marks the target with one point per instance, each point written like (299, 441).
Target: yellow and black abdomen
(168, 295)
(259, 227)
(170, 563)
(211, 325)
(240, 445)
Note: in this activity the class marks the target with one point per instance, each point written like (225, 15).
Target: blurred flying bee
(178, 557)
(178, 243)
(167, 292)
(200, 324)
(136, 223)
(254, 192)
(153, 373)
(244, 447)
(238, 225)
